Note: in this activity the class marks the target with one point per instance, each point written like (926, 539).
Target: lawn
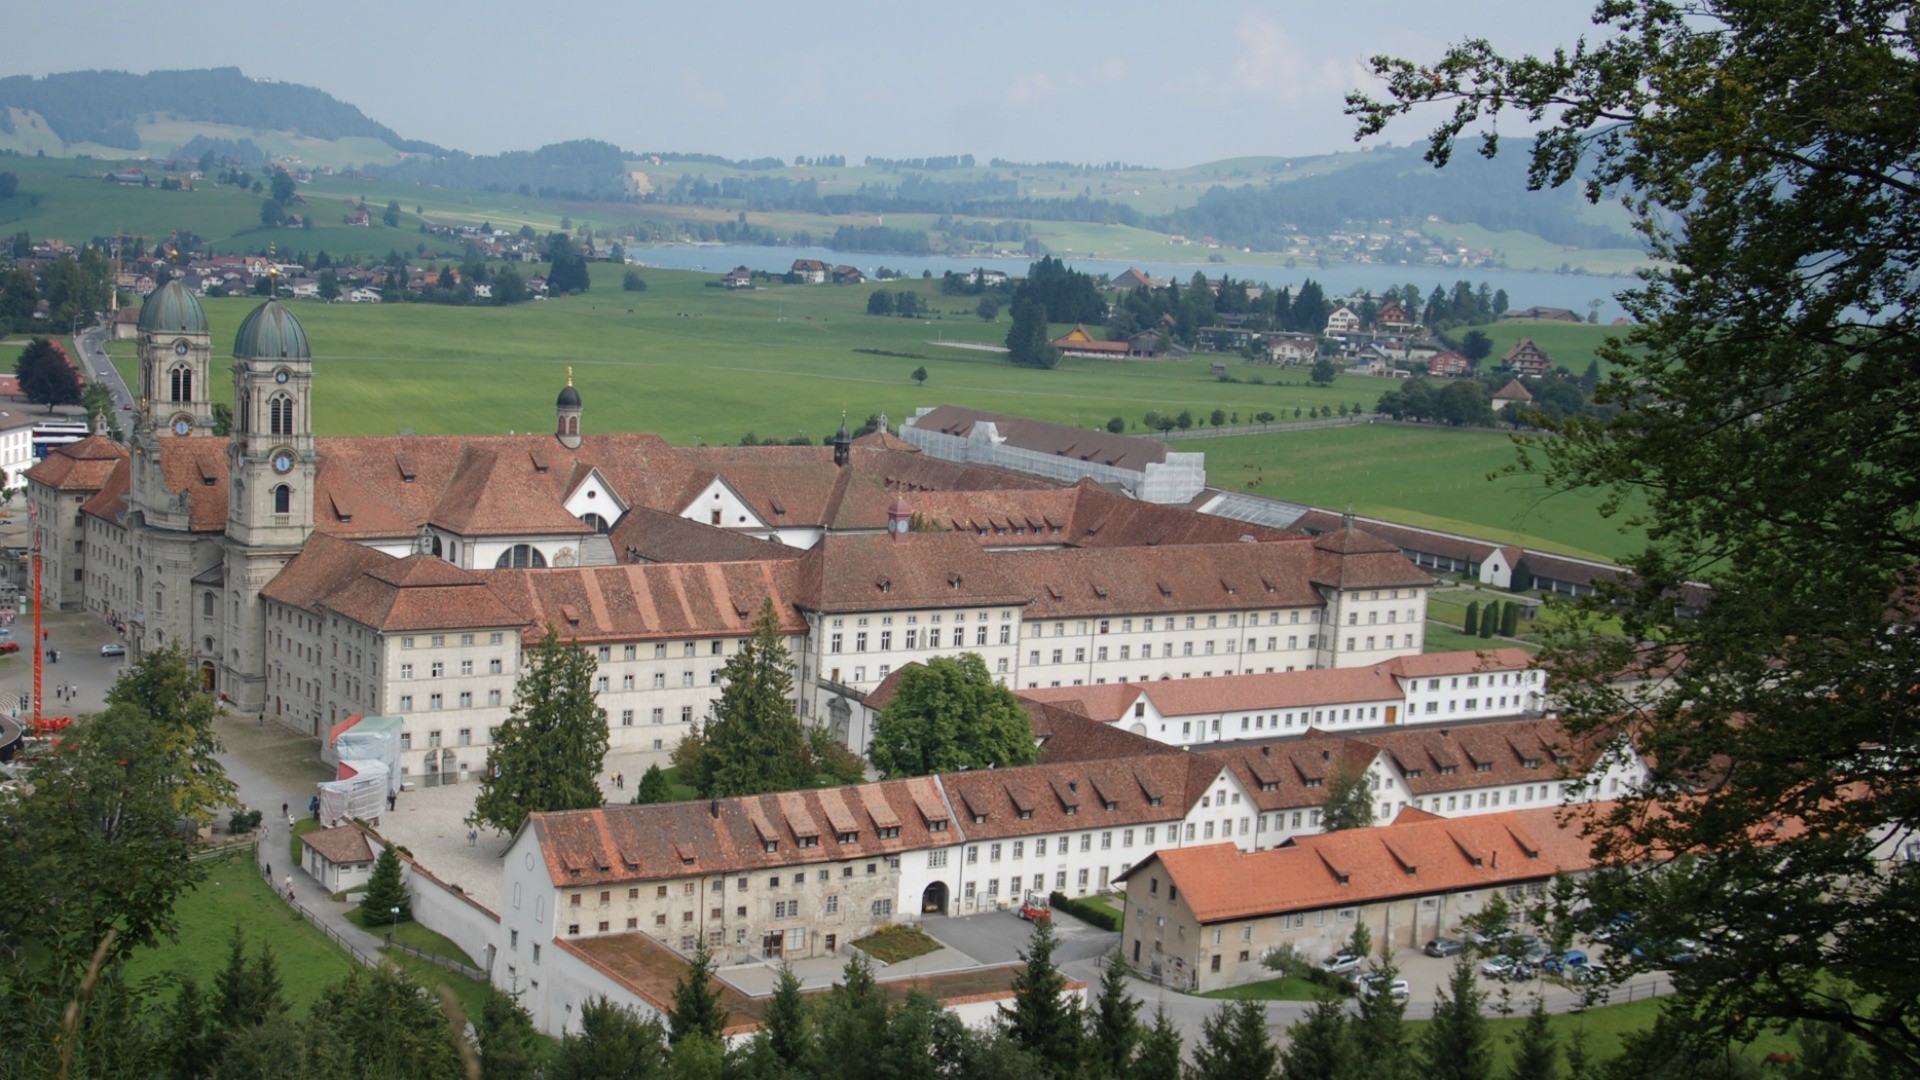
(235, 894)
(471, 993)
(892, 944)
(1284, 988)
(1422, 475)
(1604, 1026)
(1107, 904)
(1569, 345)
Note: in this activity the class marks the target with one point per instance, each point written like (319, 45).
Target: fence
(454, 966)
(224, 848)
(338, 938)
(1197, 432)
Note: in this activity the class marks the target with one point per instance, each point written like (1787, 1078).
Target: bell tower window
(180, 384)
(280, 415)
(282, 499)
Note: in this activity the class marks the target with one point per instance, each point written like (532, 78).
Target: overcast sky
(1159, 83)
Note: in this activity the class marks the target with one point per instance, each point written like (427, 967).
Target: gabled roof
(1417, 855)
(83, 465)
(629, 602)
(419, 592)
(338, 845)
(1062, 440)
(925, 570)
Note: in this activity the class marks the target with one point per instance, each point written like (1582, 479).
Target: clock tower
(271, 467)
(175, 395)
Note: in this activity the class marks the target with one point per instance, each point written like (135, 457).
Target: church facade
(313, 579)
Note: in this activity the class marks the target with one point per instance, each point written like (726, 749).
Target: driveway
(998, 937)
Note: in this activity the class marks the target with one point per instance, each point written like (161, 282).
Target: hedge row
(1087, 913)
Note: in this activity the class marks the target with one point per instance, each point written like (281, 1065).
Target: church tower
(566, 419)
(175, 396)
(271, 467)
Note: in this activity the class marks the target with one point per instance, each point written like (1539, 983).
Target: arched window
(283, 499)
(520, 556)
(599, 523)
(573, 425)
(181, 385)
(280, 415)
(206, 606)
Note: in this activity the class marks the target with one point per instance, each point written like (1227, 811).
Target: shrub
(1086, 913)
(243, 821)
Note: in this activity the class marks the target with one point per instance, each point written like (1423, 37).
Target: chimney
(1326, 755)
(714, 807)
(1266, 751)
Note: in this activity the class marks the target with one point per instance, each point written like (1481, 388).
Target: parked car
(1589, 973)
(9, 647)
(1371, 983)
(1445, 947)
(1341, 963)
(1536, 954)
(1565, 963)
(1499, 967)
(113, 648)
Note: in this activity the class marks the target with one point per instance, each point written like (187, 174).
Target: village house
(1342, 321)
(1527, 359)
(1449, 365)
(809, 271)
(1514, 393)
(1077, 342)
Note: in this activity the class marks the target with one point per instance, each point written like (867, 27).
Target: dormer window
(932, 826)
(1413, 774)
(1111, 805)
(1313, 782)
(1532, 763)
(1155, 801)
(1486, 766)
(1270, 786)
(772, 846)
(1449, 770)
(979, 819)
(848, 838)
(809, 841)
(1025, 815)
(894, 831)
(1072, 810)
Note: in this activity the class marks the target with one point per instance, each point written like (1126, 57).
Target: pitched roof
(629, 602)
(1515, 390)
(341, 844)
(877, 572)
(419, 592)
(197, 465)
(659, 536)
(724, 836)
(1435, 759)
(1416, 855)
(1061, 440)
(1461, 662)
(1071, 795)
(83, 465)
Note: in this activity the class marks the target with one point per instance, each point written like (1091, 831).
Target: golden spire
(569, 374)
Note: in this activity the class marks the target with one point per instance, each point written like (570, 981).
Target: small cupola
(899, 519)
(567, 415)
(842, 444)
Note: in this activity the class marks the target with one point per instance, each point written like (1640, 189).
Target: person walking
(473, 837)
(283, 811)
(393, 798)
(289, 888)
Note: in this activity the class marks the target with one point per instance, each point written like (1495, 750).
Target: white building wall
(1474, 696)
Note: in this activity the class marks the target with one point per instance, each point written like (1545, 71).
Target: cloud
(1026, 91)
(1268, 64)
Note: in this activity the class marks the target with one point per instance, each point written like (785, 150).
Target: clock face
(180, 348)
(279, 376)
(182, 426)
(282, 462)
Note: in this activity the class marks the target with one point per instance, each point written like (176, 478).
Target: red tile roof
(343, 844)
(1417, 855)
(84, 465)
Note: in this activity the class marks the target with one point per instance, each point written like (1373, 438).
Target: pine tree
(386, 891)
(696, 1004)
(1489, 619)
(1509, 618)
(246, 994)
(1456, 1046)
(653, 786)
(1027, 342)
(1040, 1020)
(853, 1024)
(190, 1038)
(1234, 1045)
(1381, 1026)
(547, 755)
(1113, 1030)
(1318, 1044)
(1536, 1053)
(786, 1026)
(1160, 1051)
(1473, 618)
(754, 743)
(509, 1047)
(611, 1044)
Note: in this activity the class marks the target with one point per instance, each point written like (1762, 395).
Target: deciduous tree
(949, 714)
(46, 377)
(1773, 446)
(1349, 801)
(547, 754)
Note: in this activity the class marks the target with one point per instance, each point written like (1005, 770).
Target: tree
(1160, 1051)
(1234, 1045)
(386, 893)
(786, 1027)
(1323, 372)
(610, 1044)
(247, 992)
(568, 272)
(1117, 426)
(272, 212)
(753, 743)
(46, 376)
(949, 714)
(503, 1033)
(1027, 341)
(653, 786)
(1476, 346)
(1349, 801)
(509, 287)
(1509, 618)
(222, 419)
(989, 307)
(189, 1036)
(1318, 1047)
(547, 754)
(1536, 1054)
(879, 302)
(1040, 1020)
(97, 399)
(1473, 618)
(1766, 440)
(1380, 1028)
(280, 185)
(920, 375)
(392, 215)
(1457, 1044)
(696, 1003)
(1113, 1025)
(9, 183)
(379, 1022)
(853, 1022)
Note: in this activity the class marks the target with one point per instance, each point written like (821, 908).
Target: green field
(1570, 345)
(235, 894)
(1427, 476)
(698, 364)
(1525, 251)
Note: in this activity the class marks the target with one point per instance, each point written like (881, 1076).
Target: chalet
(1514, 393)
(1291, 348)
(737, 278)
(1392, 316)
(848, 275)
(809, 271)
(1449, 365)
(1526, 358)
(1133, 279)
(1144, 344)
(1228, 339)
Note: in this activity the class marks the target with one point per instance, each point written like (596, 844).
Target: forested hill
(1396, 184)
(578, 169)
(104, 106)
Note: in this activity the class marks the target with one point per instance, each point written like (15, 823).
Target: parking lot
(998, 937)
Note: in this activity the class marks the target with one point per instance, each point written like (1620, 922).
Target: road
(90, 345)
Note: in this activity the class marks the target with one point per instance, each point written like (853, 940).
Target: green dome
(172, 309)
(270, 332)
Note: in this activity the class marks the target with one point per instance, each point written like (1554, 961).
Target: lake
(1524, 288)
